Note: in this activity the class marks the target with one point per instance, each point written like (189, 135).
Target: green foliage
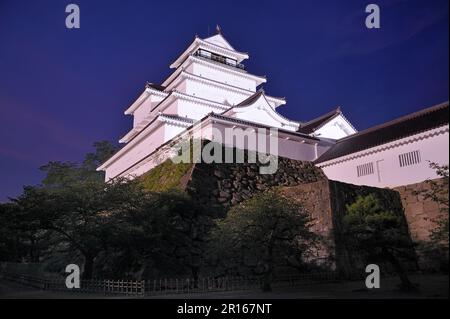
(164, 235)
(379, 235)
(103, 151)
(113, 228)
(14, 234)
(64, 174)
(166, 176)
(368, 225)
(66, 213)
(263, 233)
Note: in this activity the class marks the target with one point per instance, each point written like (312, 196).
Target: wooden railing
(203, 284)
(106, 287)
(218, 58)
(171, 285)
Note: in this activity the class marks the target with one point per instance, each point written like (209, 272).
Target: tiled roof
(310, 126)
(177, 118)
(254, 124)
(155, 86)
(402, 127)
(251, 99)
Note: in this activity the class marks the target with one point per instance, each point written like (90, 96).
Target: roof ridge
(155, 86)
(220, 47)
(323, 116)
(405, 126)
(318, 122)
(399, 120)
(251, 98)
(174, 116)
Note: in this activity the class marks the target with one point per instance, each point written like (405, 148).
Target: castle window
(218, 58)
(365, 169)
(410, 158)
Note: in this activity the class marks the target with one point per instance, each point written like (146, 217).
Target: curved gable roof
(251, 100)
(310, 126)
(402, 127)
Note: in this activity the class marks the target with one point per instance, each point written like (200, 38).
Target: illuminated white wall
(432, 145)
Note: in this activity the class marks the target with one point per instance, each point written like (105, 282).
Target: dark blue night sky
(61, 90)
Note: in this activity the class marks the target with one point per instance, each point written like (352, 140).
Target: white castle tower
(210, 88)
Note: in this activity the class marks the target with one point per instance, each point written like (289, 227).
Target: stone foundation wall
(327, 202)
(419, 211)
(315, 198)
(343, 194)
(225, 185)
(221, 186)
(421, 214)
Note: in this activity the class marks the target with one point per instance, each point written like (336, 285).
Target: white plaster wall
(172, 130)
(213, 93)
(259, 116)
(172, 108)
(296, 150)
(194, 110)
(292, 149)
(126, 164)
(148, 142)
(272, 104)
(387, 170)
(144, 109)
(219, 75)
(218, 40)
(257, 113)
(337, 128)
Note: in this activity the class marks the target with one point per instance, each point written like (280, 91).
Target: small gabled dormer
(331, 125)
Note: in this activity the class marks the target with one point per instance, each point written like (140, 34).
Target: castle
(211, 91)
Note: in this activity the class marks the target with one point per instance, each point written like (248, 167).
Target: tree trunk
(267, 287)
(268, 277)
(268, 274)
(406, 284)
(194, 271)
(88, 267)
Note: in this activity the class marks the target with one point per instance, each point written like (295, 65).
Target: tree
(76, 205)
(103, 151)
(168, 232)
(378, 234)
(13, 242)
(63, 174)
(263, 233)
(114, 228)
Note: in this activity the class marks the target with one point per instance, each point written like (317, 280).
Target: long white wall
(219, 75)
(144, 109)
(213, 93)
(195, 111)
(147, 143)
(291, 148)
(126, 166)
(433, 146)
